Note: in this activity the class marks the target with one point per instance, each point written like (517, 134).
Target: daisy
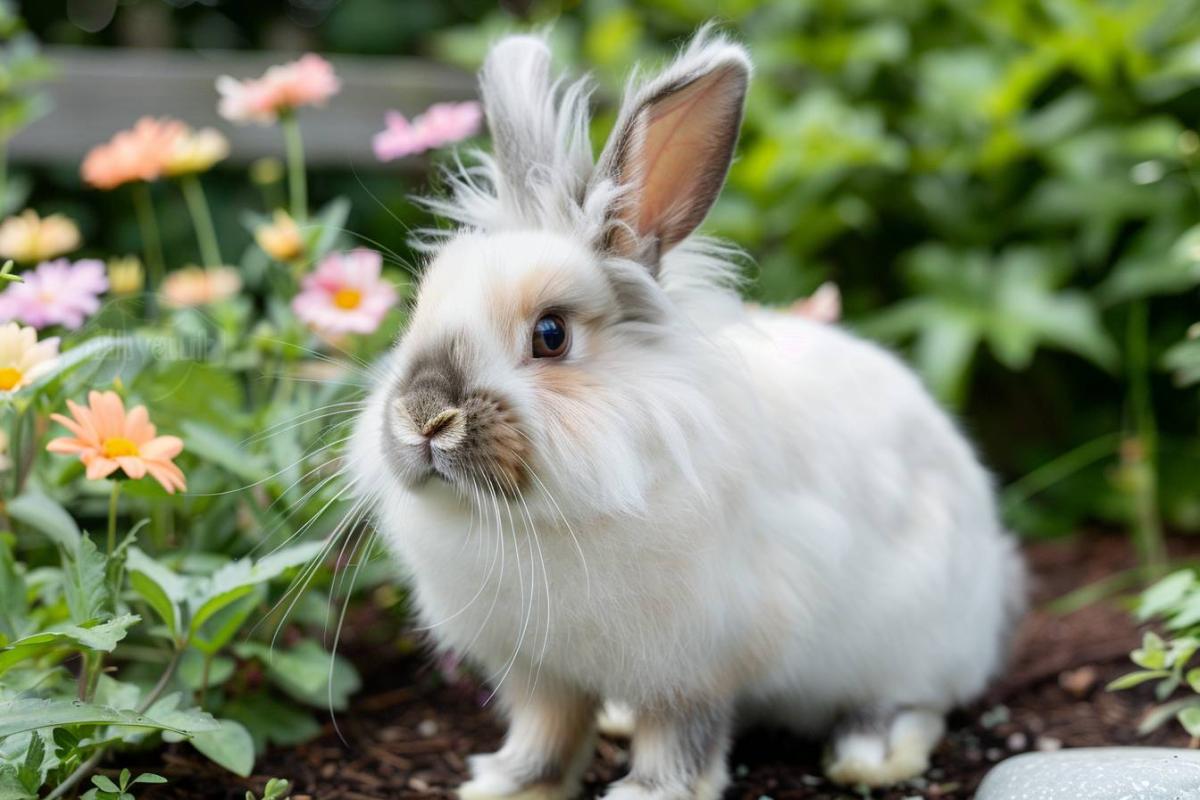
(106, 439)
(55, 293)
(345, 294)
(23, 359)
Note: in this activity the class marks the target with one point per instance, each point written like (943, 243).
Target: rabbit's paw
(616, 720)
(882, 753)
(495, 778)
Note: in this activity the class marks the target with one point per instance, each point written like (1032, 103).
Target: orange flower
(138, 154)
(106, 439)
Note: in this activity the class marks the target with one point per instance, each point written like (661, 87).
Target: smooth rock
(1100, 773)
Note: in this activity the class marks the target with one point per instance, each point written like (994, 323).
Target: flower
(23, 359)
(55, 293)
(29, 238)
(107, 439)
(281, 238)
(441, 124)
(196, 151)
(823, 305)
(345, 294)
(138, 154)
(196, 286)
(309, 81)
(125, 275)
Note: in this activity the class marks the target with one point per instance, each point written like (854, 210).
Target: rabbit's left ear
(672, 147)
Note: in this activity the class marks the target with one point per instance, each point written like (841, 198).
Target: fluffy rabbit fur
(707, 513)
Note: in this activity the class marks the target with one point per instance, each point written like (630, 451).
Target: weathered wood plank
(100, 91)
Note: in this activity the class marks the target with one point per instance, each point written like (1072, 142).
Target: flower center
(347, 299)
(9, 377)
(117, 446)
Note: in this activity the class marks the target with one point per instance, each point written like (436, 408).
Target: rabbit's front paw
(495, 778)
(885, 752)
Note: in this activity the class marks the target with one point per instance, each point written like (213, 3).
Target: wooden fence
(100, 91)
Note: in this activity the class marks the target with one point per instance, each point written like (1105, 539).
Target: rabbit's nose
(444, 428)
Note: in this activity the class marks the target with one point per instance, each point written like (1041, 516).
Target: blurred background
(1007, 191)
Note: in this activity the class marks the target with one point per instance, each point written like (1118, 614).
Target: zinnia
(308, 81)
(23, 359)
(106, 439)
(138, 154)
(55, 293)
(29, 238)
(441, 124)
(196, 151)
(281, 239)
(125, 275)
(196, 286)
(345, 294)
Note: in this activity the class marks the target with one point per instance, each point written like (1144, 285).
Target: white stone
(1101, 773)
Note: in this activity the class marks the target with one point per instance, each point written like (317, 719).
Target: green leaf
(229, 745)
(305, 671)
(191, 670)
(161, 588)
(47, 517)
(236, 579)
(17, 716)
(1152, 654)
(1137, 678)
(1189, 718)
(105, 784)
(1165, 594)
(272, 722)
(84, 581)
(148, 777)
(102, 637)
(92, 353)
(215, 446)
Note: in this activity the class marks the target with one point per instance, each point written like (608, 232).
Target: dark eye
(550, 337)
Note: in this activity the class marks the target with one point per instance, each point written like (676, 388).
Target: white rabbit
(611, 481)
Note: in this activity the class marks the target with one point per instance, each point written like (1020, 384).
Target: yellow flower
(23, 359)
(196, 151)
(126, 276)
(29, 238)
(194, 286)
(281, 238)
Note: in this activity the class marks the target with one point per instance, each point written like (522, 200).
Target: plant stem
(86, 767)
(151, 242)
(206, 234)
(297, 188)
(112, 516)
(4, 176)
(1147, 524)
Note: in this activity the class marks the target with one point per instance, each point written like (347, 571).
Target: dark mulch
(408, 733)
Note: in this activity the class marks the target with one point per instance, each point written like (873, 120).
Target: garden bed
(408, 733)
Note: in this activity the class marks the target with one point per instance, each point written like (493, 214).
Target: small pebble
(418, 785)
(994, 754)
(328, 770)
(811, 780)
(741, 771)
(1078, 682)
(1018, 741)
(1048, 744)
(427, 728)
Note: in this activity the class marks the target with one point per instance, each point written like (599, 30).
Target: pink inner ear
(680, 154)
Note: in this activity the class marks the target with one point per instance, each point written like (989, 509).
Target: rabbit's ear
(524, 118)
(672, 147)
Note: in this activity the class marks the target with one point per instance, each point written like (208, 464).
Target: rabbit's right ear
(672, 147)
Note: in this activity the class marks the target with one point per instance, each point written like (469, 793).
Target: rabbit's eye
(550, 337)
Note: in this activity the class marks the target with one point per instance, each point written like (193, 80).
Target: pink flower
(441, 124)
(345, 294)
(55, 293)
(308, 81)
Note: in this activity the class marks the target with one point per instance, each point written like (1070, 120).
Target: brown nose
(441, 421)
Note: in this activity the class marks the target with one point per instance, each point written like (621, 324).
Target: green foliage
(1175, 602)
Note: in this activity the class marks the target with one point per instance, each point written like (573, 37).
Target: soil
(409, 731)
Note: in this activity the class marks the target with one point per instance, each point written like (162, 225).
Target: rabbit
(608, 480)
